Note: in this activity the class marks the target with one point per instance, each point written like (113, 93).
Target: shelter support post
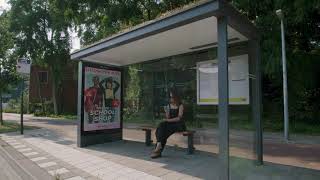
(223, 113)
(256, 97)
(79, 104)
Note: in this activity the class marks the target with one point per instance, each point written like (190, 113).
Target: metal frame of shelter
(226, 16)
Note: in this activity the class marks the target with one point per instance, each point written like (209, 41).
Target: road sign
(24, 66)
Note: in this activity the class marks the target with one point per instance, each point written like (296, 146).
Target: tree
(43, 36)
(7, 65)
(302, 31)
(98, 19)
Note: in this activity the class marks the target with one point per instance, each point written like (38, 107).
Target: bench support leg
(148, 138)
(190, 144)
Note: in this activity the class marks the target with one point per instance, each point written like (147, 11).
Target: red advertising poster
(102, 96)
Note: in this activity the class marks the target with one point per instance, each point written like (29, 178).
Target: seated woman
(173, 123)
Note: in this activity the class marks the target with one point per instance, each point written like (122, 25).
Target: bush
(41, 109)
(306, 107)
(14, 105)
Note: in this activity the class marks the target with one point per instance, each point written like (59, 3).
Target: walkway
(59, 156)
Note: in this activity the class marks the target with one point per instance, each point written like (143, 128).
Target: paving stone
(24, 150)
(10, 140)
(67, 175)
(19, 146)
(30, 153)
(15, 144)
(38, 159)
(76, 178)
(58, 171)
(173, 175)
(47, 164)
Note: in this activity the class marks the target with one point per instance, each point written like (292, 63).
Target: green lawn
(12, 127)
(62, 116)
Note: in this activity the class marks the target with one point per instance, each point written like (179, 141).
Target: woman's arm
(101, 84)
(117, 85)
(167, 111)
(176, 119)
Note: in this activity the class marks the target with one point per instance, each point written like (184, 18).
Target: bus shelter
(211, 23)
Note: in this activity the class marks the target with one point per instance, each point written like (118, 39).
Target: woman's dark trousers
(166, 129)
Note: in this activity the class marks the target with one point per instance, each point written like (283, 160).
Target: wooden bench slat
(182, 132)
(146, 129)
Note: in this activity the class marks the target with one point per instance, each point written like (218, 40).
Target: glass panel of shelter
(147, 92)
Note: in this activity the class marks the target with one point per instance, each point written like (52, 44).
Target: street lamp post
(284, 74)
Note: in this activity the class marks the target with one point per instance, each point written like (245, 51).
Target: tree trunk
(54, 95)
(39, 93)
(1, 119)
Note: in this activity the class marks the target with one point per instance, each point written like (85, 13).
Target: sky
(3, 5)
(75, 41)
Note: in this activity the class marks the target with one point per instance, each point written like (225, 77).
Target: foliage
(7, 62)
(42, 33)
(14, 105)
(98, 19)
(42, 109)
(7, 66)
(12, 127)
(132, 91)
(63, 116)
(43, 36)
(302, 32)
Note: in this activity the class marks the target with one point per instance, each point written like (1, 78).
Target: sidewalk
(303, 151)
(205, 136)
(129, 160)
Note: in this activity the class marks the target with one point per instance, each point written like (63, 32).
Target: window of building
(43, 77)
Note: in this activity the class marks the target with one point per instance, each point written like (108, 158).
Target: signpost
(23, 68)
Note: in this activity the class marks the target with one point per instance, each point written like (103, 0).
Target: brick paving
(299, 159)
(129, 159)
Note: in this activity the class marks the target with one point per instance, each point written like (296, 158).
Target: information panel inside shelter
(102, 99)
(207, 81)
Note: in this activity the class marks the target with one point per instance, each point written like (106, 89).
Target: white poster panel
(102, 96)
(207, 81)
(23, 66)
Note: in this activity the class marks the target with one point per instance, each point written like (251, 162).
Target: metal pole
(21, 108)
(255, 96)
(79, 105)
(1, 118)
(285, 87)
(1, 109)
(223, 111)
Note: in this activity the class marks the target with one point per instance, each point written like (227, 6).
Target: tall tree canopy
(7, 65)
(302, 32)
(97, 19)
(43, 36)
(7, 62)
(42, 29)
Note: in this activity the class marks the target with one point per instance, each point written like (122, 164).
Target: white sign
(207, 81)
(24, 66)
